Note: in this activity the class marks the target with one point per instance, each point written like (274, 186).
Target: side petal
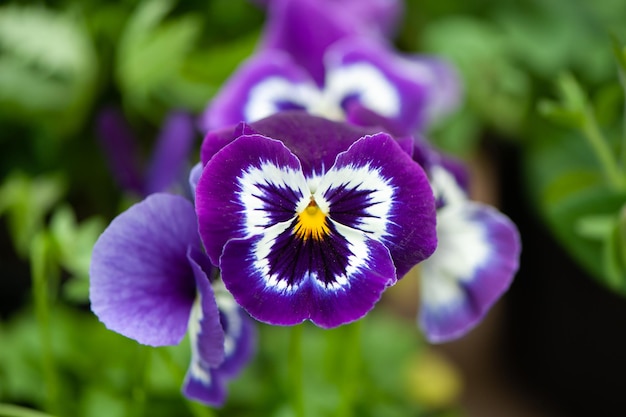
(474, 264)
(265, 84)
(375, 187)
(247, 186)
(142, 285)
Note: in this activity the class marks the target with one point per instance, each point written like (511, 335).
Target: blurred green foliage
(545, 76)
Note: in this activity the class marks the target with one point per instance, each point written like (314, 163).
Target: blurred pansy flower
(304, 29)
(311, 219)
(364, 83)
(151, 281)
(168, 164)
(476, 258)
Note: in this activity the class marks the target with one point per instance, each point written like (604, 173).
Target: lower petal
(328, 283)
(474, 264)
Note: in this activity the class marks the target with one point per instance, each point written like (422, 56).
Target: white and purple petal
(376, 187)
(472, 267)
(265, 84)
(142, 284)
(206, 381)
(285, 280)
(248, 186)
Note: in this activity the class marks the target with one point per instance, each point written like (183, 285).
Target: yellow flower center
(311, 223)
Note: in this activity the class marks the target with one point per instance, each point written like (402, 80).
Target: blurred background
(541, 125)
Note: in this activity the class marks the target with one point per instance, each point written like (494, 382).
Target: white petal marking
(462, 248)
(257, 218)
(264, 98)
(194, 329)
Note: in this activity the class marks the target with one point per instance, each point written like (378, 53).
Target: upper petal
(265, 84)
(142, 284)
(376, 187)
(474, 264)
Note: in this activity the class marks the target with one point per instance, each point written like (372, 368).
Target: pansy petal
(305, 29)
(205, 328)
(142, 285)
(240, 334)
(173, 146)
(283, 280)
(316, 141)
(247, 186)
(379, 79)
(119, 145)
(376, 187)
(473, 266)
(265, 84)
(205, 385)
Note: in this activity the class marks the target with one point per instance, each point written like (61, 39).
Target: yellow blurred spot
(432, 381)
(312, 223)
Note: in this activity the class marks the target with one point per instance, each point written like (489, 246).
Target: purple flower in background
(168, 164)
(304, 29)
(476, 258)
(364, 83)
(152, 282)
(310, 218)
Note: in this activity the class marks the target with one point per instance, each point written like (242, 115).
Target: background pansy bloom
(365, 83)
(311, 219)
(476, 258)
(151, 281)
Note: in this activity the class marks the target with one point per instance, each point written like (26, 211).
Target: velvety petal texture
(142, 285)
(313, 240)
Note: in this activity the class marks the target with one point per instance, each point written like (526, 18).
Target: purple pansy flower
(363, 82)
(476, 258)
(306, 28)
(169, 160)
(310, 218)
(151, 281)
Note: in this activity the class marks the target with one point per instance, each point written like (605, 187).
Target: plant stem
(603, 152)
(39, 252)
(352, 360)
(9, 410)
(296, 370)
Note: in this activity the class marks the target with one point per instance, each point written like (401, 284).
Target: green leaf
(47, 67)
(26, 201)
(151, 53)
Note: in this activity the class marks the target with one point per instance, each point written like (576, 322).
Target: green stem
(603, 152)
(352, 361)
(41, 275)
(9, 410)
(296, 370)
(198, 410)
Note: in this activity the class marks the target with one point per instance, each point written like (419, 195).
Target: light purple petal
(474, 264)
(306, 28)
(170, 158)
(265, 84)
(239, 192)
(377, 188)
(142, 285)
(445, 91)
(120, 149)
(205, 385)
